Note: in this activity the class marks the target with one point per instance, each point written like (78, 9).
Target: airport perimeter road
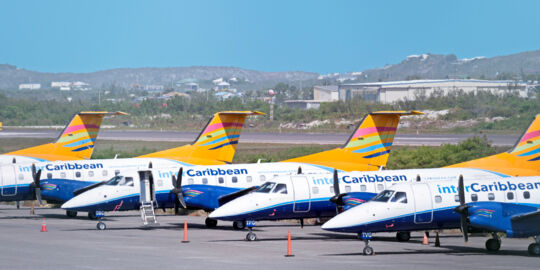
(76, 244)
(259, 137)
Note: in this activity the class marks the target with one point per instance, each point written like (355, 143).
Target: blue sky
(318, 36)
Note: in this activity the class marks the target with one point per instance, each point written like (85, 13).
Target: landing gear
(210, 223)
(71, 214)
(239, 225)
(101, 226)
(92, 215)
(403, 236)
(534, 248)
(250, 236)
(493, 244)
(368, 251)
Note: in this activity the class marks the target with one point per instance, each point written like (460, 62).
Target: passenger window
(221, 180)
(347, 188)
(438, 199)
(235, 179)
(205, 181)
(474, 197)
(380, 187)
(400, 197)
(363, 188)
(491, 196)
(78, 174)
(275, 175)
(21, 177)
(331, 189)
(63, 175)
(49, 175)
(526, 195)
(281, 189)
(104, 173)
(190, 181)
(116, 172)
(90, 173)
(262, 178)
(510, 195)
(249, 179)
(456, 198)
(315, 190)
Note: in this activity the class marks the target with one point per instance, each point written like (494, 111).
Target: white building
(60, 84)
(390, 92)
(29, 86)
(326, 92)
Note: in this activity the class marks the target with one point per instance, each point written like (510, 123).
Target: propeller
(299, 170)
(36, 176)
(177, 184)
(463, 209)
(338, 197)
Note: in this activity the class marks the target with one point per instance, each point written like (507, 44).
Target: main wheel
(403, 236)
(210, 223)
(92, 215)
(251, 236)
(101, 226)
(493, 244)
(71, 214)
(239, 225)
(368, 251)
(534, 249)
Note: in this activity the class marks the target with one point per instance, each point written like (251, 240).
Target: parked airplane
(74, 143)
(215, 145)
(313, 196)
(209, 187)
(508, 205)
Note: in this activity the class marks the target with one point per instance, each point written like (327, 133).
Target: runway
(261, 137)
(74, 243)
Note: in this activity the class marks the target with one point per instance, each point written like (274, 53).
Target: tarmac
(75, 243)
(262, 137)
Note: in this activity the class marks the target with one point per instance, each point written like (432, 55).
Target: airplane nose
(340, 222)
(74, 203)
(221, 212)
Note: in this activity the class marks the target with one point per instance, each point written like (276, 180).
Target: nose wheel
(250, 236)
(101, 226)
(368, 251)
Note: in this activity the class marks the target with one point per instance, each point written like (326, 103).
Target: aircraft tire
(251, 237)
(534, 249)
(368, 251)
(493, 244)
(403, 236)
(239, 225)
(71, 214)
(101, 226)
(210, 223)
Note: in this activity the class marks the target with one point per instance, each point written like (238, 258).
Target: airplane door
(423, 207)
(145, 179)
(8, 180)
(302, 196)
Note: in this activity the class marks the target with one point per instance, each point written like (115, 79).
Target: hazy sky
(319, 36)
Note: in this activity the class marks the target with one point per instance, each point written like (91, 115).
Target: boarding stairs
(148, 214)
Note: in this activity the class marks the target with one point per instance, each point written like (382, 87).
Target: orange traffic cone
(289, 249)
(426, 240)
(43, 226)
(185, 233)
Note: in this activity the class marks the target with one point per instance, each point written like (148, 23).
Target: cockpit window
(281, 189)
(120, 181)
(126, 181)
(114, 181)
(384, 196)
(400, 197)
(266, 187)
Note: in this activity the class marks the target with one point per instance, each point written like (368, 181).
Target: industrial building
(29, 86)
(390, 92)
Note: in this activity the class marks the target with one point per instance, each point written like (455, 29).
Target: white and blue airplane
(509, 205)
(208, 187)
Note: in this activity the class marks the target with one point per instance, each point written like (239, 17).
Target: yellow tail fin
(75, 142)
(522, 160)
(368, 146)
(216, 144)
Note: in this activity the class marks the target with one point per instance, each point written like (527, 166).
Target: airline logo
(529, 146)
(192, 193)
(494, 186)
(65, 166)
(361, 179)
(221, 134)
(215, 172)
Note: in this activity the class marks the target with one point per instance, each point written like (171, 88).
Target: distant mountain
(11, 76)
(433, 66)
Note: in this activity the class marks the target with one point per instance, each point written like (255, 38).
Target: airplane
(509, 206)
(76, 142)
(208, 187)
(216, 144)
(318, 195)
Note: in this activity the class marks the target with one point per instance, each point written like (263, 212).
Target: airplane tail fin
(75, 142)
(522, 160)
(367, 148)
(216, 144)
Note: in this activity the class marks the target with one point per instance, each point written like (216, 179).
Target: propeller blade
(299, 170)
(463, 209)
(177, 190)
(38, 195)
(461, 190)
(336, 183)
